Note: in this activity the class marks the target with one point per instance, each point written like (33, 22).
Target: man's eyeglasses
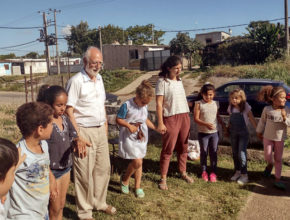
(97, 64)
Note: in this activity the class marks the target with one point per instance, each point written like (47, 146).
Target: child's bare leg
(56, 206)
(131, 169)
(138, 175)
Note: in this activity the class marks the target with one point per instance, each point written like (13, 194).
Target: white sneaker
(236, 176)
(243, 179)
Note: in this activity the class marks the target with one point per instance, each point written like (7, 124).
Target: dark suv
(251, 88)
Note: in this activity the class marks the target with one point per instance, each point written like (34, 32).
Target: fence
(154, 59)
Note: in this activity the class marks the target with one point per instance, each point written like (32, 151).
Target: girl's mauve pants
(278, 152)
(176, 137)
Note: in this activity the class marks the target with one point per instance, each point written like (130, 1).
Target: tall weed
(274, 70)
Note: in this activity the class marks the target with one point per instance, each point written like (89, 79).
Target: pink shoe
(204, 176)
(212, 177)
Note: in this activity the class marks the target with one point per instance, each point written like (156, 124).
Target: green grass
(117, 79)
(274, 70)
(200, 200)
(8, 128)
(221, 200)
(192, 73)
(113, 80)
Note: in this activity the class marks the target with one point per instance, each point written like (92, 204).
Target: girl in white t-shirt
(240, 116)
(133, 120)
(173, 118)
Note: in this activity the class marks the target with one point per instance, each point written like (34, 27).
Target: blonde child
(10, 159)
(59, 145)
(240, 117)
(206, 116)
(272, 127)
(133, 120)
(34, 181)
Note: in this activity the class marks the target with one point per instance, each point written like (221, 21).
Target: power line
(19, 45)
(6, 27)
(228, 26)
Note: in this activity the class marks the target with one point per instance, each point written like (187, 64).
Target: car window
(252, 89)
(225, 90)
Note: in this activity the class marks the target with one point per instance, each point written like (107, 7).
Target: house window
(6, 66)
(208, 40)
(133, 54)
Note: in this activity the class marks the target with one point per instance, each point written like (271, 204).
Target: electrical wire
(221, 27)
(19, 45)
(3, 27)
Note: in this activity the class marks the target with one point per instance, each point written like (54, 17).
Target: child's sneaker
(267, 171)
(212, 178)
(243, 179)
(140, 193)
(204, 176)
(280, 185)
(124, 188)
(236, 176)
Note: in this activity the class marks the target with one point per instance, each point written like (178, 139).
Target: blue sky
(164, 14)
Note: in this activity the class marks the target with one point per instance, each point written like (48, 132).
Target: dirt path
(267, 202)
(133, 85)
(190, 86)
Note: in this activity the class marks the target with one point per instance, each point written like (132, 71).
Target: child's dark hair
(267, 93)
(41, 93)
(48, 94)
(204, 89)
(242, 95)
(169, 63)
(145, 90)
(8, 157)
(31, 115)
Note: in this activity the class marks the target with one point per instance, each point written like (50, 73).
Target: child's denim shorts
(59, 173)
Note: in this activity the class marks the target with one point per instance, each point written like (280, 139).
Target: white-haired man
(86, 109)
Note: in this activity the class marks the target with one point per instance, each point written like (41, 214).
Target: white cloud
(66, 30)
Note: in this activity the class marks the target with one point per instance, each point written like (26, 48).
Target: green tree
(80, 38)
(267, 38)
(184, 45)
(7, 56)
(32, 55)
(143, 34)
(111, 34)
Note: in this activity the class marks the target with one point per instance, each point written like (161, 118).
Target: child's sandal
(140, 193)
(280, 185)
(124, 188)
(187, 178)
(162, 185)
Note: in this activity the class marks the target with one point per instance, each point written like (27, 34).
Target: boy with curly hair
(34, 181)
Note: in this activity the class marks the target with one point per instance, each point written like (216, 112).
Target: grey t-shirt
(29, 194)
(60, 145)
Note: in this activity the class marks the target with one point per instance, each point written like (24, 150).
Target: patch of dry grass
(8, 127)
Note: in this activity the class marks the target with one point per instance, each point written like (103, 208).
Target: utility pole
(56, 44)
(152, 34)
(100, 38)
(286, 27)
(46, 44)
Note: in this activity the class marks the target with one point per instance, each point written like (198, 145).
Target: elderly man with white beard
(86, 110)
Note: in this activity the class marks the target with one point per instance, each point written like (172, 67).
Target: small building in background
(22, 66)
(212, 37)
(129, 56)
(5, 68)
